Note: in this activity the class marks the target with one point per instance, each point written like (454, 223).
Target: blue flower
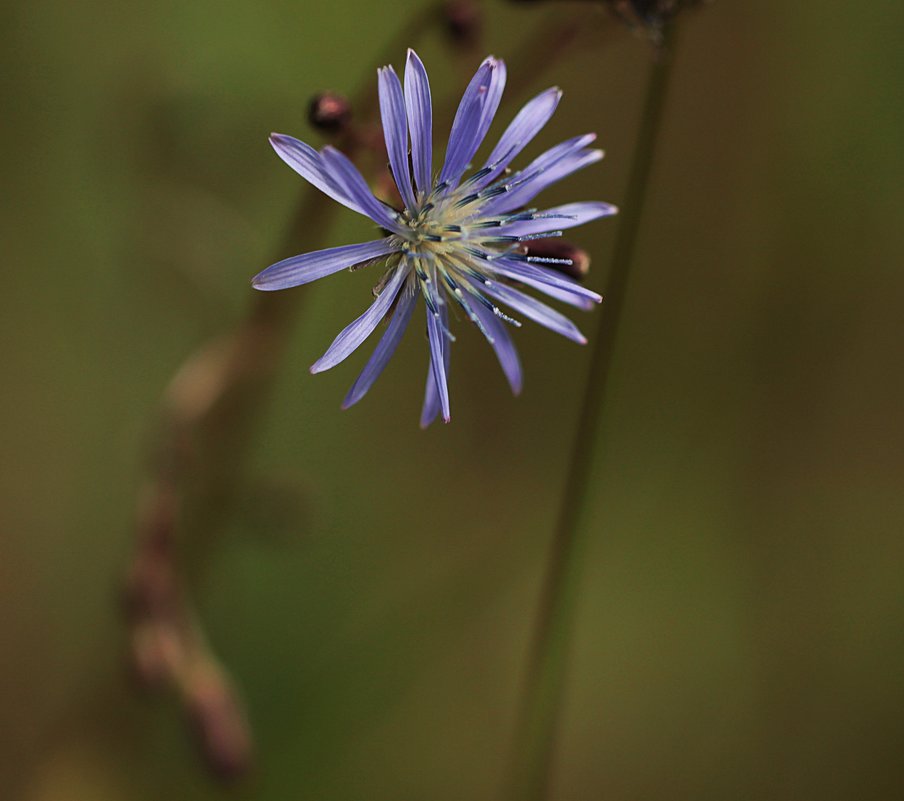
(458, 241)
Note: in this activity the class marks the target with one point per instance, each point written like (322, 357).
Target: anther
(567, 257)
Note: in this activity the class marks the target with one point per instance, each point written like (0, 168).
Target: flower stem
(541, 702)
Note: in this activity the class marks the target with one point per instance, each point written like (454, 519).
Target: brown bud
(463, 21)
(560, 249)
(330, 112)
(649, 15)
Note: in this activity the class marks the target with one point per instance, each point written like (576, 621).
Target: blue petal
(395, 131)
(420, 121)
(472, 120)
(430, 409)
(536, 310)
(353, 184)
(357, 331)
(385, 348)
(543, 162)
(539, 180)
(564, 295)
(308, 267)
(308, 163)
(527, 124)
(436, 395)
(502, 344)
(540, 276)
(490, 105)
(558, 218)
(561, 169)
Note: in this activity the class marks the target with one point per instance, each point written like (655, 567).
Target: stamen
(481, 254)
(485, 302)
(484, 194)
(547, 235)
(467, 199)
(503, 316)
(545, 260)
(429, 301)
(484, 171)
(460, 299)
(442, 186)
(495, 191)
(421, 273)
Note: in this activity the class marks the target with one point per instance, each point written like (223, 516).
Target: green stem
(536, 733)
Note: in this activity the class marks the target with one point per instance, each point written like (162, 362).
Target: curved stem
(535, 737)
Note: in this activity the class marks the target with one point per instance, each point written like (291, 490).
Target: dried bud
(463, 21)
(330, 112)
(560, 249)
(649, 15)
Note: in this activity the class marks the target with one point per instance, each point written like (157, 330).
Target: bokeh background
(739, 630)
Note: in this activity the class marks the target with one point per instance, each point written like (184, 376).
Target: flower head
(458, 241)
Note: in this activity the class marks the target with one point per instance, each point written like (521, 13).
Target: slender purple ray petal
(432, 405)
(527, 124)
(503, 346)
(490, 106)
(307, 267)
(475, 112)
(439, 347)
(309, 165)
(537, 167)
(430, 408)
(555, 154)
(420, 121)
(395, 131)
(562, 168)
(357, 331)
(436, 395)
(353, 184)
(564, 295)
(536, 310)
(539, 275)
(559, 218)
(386, 346)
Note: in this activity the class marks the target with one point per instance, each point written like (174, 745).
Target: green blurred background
(739, 632)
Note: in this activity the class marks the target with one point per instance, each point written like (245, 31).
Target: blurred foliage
(740, 629)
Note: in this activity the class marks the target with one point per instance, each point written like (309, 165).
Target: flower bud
(650, 15)
(463, 21)
(330, 112)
